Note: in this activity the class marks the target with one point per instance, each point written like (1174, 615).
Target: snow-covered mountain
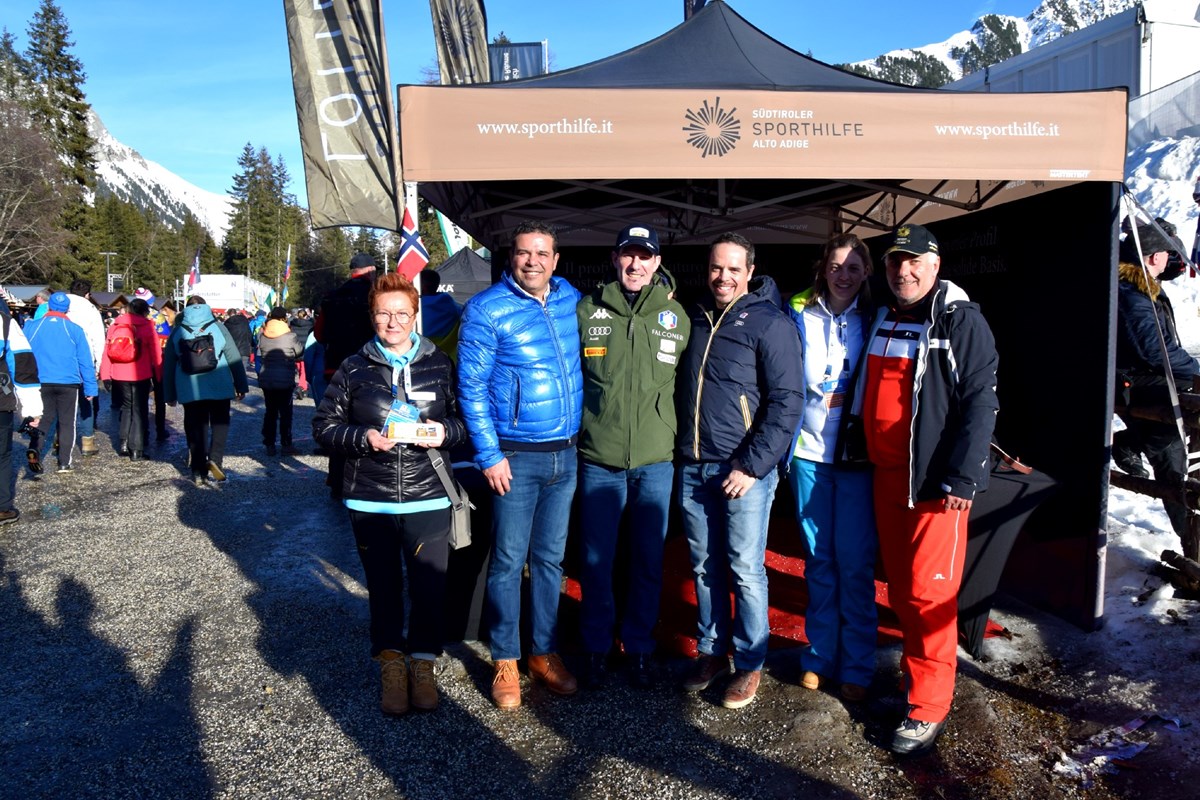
(122, 171)
(1010, 35)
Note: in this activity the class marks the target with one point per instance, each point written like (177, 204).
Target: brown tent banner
(343, 105)
(460, 31)
(476, 133)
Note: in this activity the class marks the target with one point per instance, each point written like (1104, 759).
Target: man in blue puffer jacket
(521, 394)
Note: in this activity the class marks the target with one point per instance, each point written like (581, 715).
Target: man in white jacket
(83, 312)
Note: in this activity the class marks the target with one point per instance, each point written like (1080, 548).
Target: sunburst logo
(712, 130)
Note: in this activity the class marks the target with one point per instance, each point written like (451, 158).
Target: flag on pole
(413, 257)
(194, 275)
(287, 274)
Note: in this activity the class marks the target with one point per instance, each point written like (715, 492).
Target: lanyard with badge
(833, 388)
(403, 421)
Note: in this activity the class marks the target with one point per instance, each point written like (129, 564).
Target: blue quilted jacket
(519, 377)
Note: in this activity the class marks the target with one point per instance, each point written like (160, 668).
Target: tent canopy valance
(716, 126)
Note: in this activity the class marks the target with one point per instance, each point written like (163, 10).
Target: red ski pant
(922, 549)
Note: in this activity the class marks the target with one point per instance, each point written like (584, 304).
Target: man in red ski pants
(928, 408)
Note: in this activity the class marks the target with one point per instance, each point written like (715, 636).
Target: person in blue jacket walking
(64, 363)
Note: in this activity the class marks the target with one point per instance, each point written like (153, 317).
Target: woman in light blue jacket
(205, 395)
(833, 497)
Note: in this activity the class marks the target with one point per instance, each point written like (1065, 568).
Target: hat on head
(915, 239)
(362, 261)
(143, 293)
(1153, 241)
(638, 236)
(59, 301)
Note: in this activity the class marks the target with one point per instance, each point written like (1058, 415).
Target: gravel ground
(164, 640)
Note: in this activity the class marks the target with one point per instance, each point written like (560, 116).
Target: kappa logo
(712, 130)
(600, 313)
(668, 320)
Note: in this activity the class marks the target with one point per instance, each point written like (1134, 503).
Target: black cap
(1153, 241)
(915, 239)
(638, 236)
(362, 261)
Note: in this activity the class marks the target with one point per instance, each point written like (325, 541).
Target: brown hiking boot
(810, 680)
(550, 670)
(704, 671)
(424, 684)
(87, 445)
(742, 689)
(506, 684)
(393, 674)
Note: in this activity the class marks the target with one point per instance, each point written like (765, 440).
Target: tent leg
(1191, 539)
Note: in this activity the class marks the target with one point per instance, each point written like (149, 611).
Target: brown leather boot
(506, 684)
(423, 683)
(550, 670)
(393, 675)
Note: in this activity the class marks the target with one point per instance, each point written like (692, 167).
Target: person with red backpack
(132, 360)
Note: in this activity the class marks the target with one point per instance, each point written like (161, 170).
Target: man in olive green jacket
(633, 333)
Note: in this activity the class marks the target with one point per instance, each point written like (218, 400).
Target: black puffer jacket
(358, 399)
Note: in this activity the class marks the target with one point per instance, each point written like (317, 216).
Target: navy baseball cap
(915, 239)
(638, 236)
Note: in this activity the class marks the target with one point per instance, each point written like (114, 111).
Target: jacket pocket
(744, 404)
(515, 398)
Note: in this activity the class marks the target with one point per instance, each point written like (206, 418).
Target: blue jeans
(727, 536)
(606, 493)
(838, 523)
(529, 523)
(87, 414)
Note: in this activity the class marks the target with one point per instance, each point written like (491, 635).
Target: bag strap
(439, 466)
(1012, 462)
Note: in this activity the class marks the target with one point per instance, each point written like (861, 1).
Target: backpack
(122, 346)
(197, 353)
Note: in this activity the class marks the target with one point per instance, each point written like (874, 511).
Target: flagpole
(391, 103)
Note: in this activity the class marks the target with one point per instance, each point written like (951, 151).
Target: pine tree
(61, 105)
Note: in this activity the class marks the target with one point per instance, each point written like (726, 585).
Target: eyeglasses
(402, 317)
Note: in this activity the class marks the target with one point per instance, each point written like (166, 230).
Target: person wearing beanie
(66, 373)
(1142, 306)
(132, 362)
(278, 352)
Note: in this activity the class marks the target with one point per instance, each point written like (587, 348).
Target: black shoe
(914, 738)
(199, 479)
(595, 671)
(123, 449)
(136, 455)
(639, 669)
(270, 449)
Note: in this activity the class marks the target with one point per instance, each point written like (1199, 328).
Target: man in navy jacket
(740, 399)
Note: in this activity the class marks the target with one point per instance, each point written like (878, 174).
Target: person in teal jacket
(205, 396)
(632, 332)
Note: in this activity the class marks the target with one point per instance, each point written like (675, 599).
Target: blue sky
(188, 83)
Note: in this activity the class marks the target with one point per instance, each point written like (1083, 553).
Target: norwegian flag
(194, 275)
(413, 256)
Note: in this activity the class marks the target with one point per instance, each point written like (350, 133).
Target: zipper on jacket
(700, 377)
(745, 406)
